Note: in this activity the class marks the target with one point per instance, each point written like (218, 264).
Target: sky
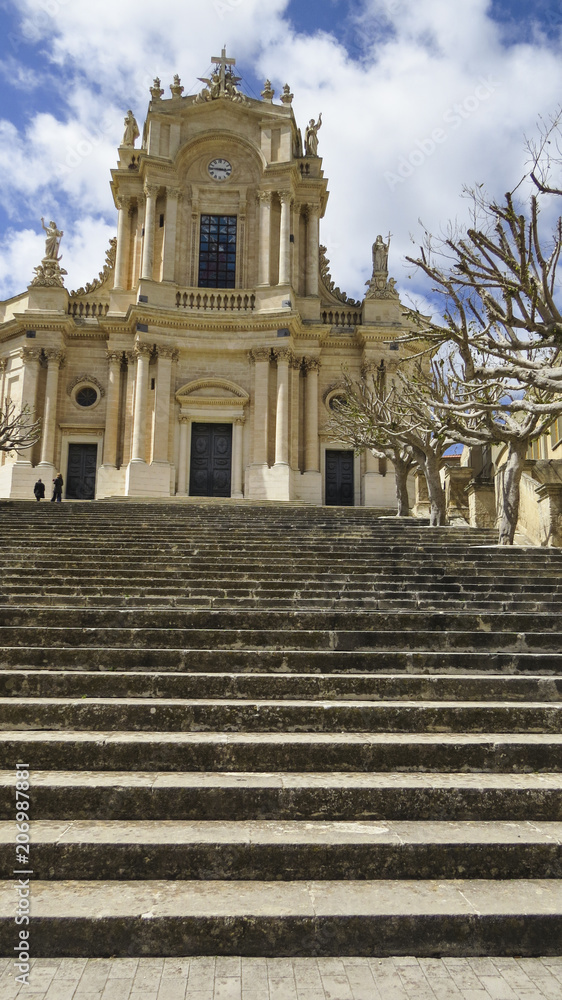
(418, 98)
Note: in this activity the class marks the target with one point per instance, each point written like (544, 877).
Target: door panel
(339, 479)
(81, 471)
(211, 460)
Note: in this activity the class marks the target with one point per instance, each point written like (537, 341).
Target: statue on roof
(380, 254)
(311, 137)
(222, 82)
(52, 240)
(131, 130)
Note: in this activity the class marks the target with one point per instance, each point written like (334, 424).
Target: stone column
(265, 226)
(260, 358)
(54, 361)
(237, 458)
(312, 265)
(30, 360)
(168, 268)
(112, 408)
(162, 404)
(182, 458)
(296, 215)
(284, 242)
(142, 355)
(137, 240)
(311, 450)
(121, 254)
(294, 412)
(150, 190)
(282, 408)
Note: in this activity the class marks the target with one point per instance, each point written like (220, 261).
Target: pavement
(231, 978)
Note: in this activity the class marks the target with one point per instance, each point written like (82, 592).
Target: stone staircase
(279, 730)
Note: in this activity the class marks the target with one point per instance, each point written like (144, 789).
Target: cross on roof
(223, 61)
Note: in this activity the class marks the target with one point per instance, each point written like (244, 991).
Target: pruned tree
(377, 416)
(18, 429)
(501, 320)
(356, 422)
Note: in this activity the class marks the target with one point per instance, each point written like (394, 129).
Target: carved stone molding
(3, 364)
(124, 202)
(285, 197)
(174, 192)
(114, 357)
(54, 357)
(295, 362)
(84, 377)
(29, 354)
(260, 354)
(151, 190)
(142, 350)
(264, 197)
(165, 351)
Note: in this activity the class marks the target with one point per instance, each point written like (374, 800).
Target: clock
(219, 169)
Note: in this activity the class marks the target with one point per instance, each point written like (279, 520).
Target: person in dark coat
(39, 490)
(57, 489)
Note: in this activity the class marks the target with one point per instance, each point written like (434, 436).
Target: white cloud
(432, 99)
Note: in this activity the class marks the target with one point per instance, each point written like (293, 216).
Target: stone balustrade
(83, 309)
(343, 317)
(219, 300)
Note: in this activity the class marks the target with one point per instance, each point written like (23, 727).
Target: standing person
(39, 490)
(57, 489)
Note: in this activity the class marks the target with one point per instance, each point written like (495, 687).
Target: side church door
(339, 479)
(81, 471)
(211, 460)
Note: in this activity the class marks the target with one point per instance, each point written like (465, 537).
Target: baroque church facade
(204, 358)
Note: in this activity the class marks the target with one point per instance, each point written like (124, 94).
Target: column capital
(124, 202)
(151, 190)
(310, 210)
(239, 421)
(142, 350)
(259, 354)
(53, 356)
(3, 364)
(264, 197)
(283, 354)
(167, 352)
(174, 192)
(29, 355)
(311, 365)
(184, 418)
(114, 357)
(285, 197)
(295, 362)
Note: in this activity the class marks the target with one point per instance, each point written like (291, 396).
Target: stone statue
(52, 240)
(311, 137)
(380, 254)
(131, 130)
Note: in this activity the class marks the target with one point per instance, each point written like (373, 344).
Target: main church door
(81, 471)
(211, 460)
(339, 478)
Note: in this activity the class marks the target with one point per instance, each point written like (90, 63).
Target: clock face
(219, 169)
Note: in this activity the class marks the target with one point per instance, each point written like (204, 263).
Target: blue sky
(418, 98)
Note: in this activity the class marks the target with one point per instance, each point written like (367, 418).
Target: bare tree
(355, 421)
(18, 429)
(390, 418)
(501, 318)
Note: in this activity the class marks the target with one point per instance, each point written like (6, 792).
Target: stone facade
(214, 333)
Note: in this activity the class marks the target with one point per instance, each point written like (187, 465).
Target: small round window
(86, 396)
(337, 401)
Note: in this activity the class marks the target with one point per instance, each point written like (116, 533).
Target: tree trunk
(401, 470)
(436, 493)
(510, 490)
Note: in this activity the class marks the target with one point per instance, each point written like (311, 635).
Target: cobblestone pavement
(286, 979)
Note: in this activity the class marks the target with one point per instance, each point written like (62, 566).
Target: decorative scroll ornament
(108, 268)
(89, 379)
(328, 283)
(222, 83)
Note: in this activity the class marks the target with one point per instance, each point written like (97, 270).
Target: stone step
(271, 850)
(352, 686)
(281, 661)
(248, 639)
(445, 917)
(104, 750)
(287, 795)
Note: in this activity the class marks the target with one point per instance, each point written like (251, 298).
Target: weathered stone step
(336, 640)
(522, 917)
(182, 715)
(270, 850)
(352, 686)
(103, 750)
(287, 795)
(103, 658)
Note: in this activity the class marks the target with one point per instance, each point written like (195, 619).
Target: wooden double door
(81, 471)
(210, 468)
